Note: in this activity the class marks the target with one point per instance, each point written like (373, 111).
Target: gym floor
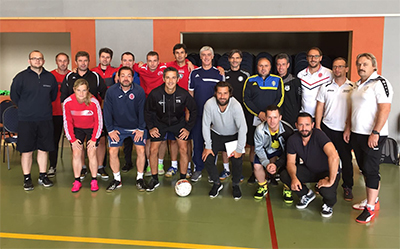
(56, 218)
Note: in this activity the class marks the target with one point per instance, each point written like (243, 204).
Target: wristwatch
(375, 132)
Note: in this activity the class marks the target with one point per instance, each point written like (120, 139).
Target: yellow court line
(157, 244)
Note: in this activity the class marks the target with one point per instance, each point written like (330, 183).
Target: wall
(15, 48)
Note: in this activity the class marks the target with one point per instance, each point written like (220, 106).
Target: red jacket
(106, 75)
(148, 79)
(78, 115)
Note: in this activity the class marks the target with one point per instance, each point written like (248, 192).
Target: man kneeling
(320, 164)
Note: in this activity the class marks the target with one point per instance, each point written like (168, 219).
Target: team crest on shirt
(273, 83)
(240, 78)
(180, 75)
(160, 73)
(131, 96)
(287, 88)
(320, 75)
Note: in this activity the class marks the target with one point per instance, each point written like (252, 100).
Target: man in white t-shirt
(312, 78)
(333, 103)
(368, 123)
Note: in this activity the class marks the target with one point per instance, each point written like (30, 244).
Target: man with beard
(165, 112)
(124, 118)
(312, 78)
(33, 90)
(319, 163)
(223, 122)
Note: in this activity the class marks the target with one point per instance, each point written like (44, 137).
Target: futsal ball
(183, 188)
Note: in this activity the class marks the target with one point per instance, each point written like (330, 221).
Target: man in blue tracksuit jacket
(124, 117)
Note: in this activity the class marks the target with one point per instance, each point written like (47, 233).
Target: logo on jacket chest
(131, 96)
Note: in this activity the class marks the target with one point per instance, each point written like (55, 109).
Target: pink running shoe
(77, 185)
(93, 186)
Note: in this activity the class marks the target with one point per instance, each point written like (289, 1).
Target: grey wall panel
(391, 70)
(169, 8)
(135, 36)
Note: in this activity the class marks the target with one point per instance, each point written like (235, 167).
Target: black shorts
(163, 129)
(35, 135)
(83, 134)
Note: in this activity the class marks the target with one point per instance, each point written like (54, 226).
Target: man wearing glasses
(33, 90)
(312, 77)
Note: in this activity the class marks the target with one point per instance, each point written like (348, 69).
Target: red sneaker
(93, 186)
(77, 185)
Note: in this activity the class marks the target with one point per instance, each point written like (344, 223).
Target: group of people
(299, 128)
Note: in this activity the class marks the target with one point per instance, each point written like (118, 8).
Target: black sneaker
(28, 185)
(261, 192)
(366, 216)
(126, 168)
(141, 185)
(326, 211)
(45, 181)
(347, 194)
(113, 186)
(305, 200)
(273, 181)
(252, 179)
(52, 172)
(102, 173)
(152, 185)
(237, 194)
(83, 173)
(215, 190)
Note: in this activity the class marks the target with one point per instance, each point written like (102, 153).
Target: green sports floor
(56, 218)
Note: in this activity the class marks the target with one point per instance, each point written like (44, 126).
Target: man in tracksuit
(270, 140)
(165, 112)
(124, 118)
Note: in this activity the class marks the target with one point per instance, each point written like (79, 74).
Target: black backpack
(390, 152)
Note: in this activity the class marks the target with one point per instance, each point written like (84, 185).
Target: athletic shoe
(94, 187)
(347, 194)
(242, 178)
(224, 174)
(28, 185)
(209, 180)
(305, 200)
(113, 186)
(51, 172)
(196, 176)
(83, 173)
(261, 192)
(366, 216)
(126, 168)
(141, 185)
(148, 171)
(363, 204)
(188, 173)
(252, 179)
(287, 194)
(45, 182)
(161, 170)
(171, 172)
(237, 194)
(273, 181)
(215, 190)
(102, 173)
(152, 185)
(326, 211)
(76, 186)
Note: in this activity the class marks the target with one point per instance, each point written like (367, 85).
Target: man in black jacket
(33, 90)
(165, 112)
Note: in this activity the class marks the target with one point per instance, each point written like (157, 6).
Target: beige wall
(15, 48)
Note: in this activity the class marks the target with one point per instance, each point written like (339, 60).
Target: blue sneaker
(171, 172)
(224, 174)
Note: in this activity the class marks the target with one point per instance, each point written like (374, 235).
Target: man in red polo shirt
(62, 61)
